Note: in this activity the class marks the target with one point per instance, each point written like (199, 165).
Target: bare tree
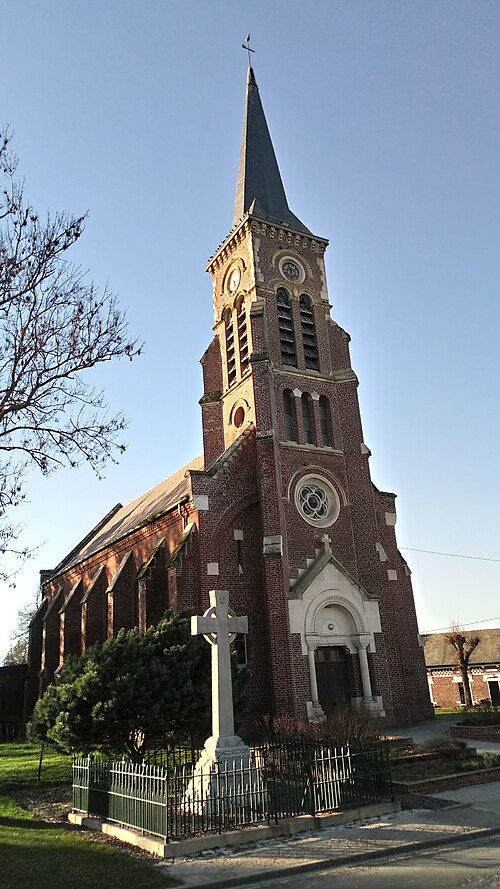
(55, 326)
(19, 637)
(17, 653)
(464, 644)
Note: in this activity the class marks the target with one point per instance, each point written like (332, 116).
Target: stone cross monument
(219, 626)
(223, 750)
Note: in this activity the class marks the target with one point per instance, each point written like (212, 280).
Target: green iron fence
(276, 780)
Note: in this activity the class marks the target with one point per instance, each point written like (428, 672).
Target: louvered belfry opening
(241, 319)
(325, 422)
(308, 333)
(289, 413)
(307, 420)
(230, 352)
(287, 333)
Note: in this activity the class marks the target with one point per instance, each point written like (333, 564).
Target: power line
(472, 623)
(434, 552)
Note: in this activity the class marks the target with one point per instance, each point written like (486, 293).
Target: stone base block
(224, 776)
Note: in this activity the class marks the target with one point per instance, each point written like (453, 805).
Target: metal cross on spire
(246, 45)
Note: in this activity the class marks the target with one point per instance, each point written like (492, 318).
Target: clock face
(234, 280)
(290, 270)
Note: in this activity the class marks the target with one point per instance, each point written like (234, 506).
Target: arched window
(230, 356)
(308, 333)
(289, 411)
(307, 418)
(325, 423)
(287, 333)
(241, 320)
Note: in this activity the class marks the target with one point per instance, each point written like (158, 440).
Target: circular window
(239, 417)
(233, 279)
(291, 270)
(317, 502)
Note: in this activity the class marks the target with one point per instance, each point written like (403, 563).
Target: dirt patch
(434, 765)
(47, 803)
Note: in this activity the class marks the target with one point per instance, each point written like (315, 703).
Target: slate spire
(259, 188)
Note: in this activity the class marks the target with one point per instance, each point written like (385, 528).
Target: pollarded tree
(55, 326)
(131, 692)
(464, 644)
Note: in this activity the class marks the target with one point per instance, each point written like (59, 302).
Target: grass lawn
(40, 853)
(19, 766)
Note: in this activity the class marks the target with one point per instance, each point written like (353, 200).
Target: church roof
(259, 187)
(125, 519)
(440, 653)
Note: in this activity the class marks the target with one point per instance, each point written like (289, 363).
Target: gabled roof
(323, 556)
(125, 519)
(259, 187)
(440, 653)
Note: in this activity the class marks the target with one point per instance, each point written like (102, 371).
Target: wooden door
(332, 676)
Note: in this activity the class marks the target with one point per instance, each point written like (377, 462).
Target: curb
(348, 860)
(285, 828)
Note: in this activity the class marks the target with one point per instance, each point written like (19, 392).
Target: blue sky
(384, 117)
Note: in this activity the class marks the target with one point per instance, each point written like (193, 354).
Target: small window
(308, 333)
(241, 320)
(287, 333)
(230, 354)
(239, 416)
(461, 692)
(289, 411)
(307, 419)
(326, 437)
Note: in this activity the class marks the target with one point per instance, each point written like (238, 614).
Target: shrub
(448, 748)
(482, 714)
(343, 726)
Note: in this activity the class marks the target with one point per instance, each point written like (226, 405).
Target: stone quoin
(280, 508)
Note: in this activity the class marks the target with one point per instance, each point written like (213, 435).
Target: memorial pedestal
(225, 779)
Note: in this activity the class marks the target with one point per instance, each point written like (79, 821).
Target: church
(280, 509)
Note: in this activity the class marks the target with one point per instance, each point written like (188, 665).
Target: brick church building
(280, 508)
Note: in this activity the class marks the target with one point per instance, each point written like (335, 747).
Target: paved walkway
(405, 831)
(439, 728)
(482, 797)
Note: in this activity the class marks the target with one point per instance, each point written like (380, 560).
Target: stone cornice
(229, 246)
(259, 226)
(288, 236)
(345, 375)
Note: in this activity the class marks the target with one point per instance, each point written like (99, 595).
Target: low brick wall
(476, 732)
(447, 782)
(398, 743)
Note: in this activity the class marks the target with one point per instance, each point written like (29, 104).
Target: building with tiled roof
(445, 679)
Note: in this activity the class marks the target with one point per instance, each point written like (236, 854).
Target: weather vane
(246, 45)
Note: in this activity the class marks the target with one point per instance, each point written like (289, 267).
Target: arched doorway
(333, 678)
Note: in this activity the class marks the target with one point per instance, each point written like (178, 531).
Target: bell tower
(278, 371)
(269, 255)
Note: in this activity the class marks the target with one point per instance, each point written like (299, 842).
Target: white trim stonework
(332, 611)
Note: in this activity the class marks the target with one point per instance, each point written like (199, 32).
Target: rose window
(317, 501)
(313, 502)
